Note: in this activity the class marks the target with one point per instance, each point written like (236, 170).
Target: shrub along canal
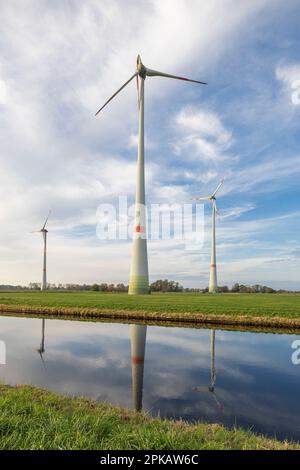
(235, 378)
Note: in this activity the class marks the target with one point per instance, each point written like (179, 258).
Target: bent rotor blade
(118, 91)
(46, 220)
(218, 187)
(156, 73)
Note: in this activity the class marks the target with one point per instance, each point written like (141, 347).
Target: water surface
(235, 378)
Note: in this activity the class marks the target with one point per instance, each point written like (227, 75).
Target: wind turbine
(41, 349)
(138, 343)
(213, 374)
(213, 284)
(44, 232)
(139, 280)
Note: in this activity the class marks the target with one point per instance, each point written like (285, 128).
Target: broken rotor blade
(118, 91)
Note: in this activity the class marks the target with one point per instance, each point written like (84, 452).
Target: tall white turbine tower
(44, 232)
(139, 280)
(213, 283)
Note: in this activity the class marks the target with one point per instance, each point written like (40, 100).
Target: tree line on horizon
(172, 286)
(161, 285)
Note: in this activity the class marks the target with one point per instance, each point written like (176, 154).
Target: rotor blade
(217, 401)
(215, 207)
(200, 389)
(156, 73)
(201, 198)
(46, 220)
(138, 90)
(218, 187)
(41, 354)
(118, 91)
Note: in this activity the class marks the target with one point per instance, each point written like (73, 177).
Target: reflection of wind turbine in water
(41, 349)
(138, 343)
(213, 375)
(139, 282)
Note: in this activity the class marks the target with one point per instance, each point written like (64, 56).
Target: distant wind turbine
(213, 284)
(139, 279)
(44, 231)
(213, 375)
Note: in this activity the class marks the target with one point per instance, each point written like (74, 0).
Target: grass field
(260, 309)
(31, 418)
(253, 304)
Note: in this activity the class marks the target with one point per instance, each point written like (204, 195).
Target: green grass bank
(267, 310)
(32, 418)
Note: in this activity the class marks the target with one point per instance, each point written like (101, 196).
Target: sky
(61, 60)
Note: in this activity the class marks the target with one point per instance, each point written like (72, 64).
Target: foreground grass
(32, 418)
(249, 309)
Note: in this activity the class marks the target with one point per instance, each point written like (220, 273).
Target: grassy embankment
(31, 418)
(268, 310)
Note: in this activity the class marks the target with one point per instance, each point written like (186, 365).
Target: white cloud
(3, 92)
(133, 142)
(202, 134)
(235, 212)
(207, 124)
(263, 176)
(289, 74)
